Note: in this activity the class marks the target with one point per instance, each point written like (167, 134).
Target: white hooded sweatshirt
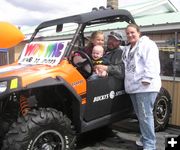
(142, 64)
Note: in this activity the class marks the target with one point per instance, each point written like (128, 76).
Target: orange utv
(46, 99)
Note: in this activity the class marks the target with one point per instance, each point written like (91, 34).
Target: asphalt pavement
(120, 136)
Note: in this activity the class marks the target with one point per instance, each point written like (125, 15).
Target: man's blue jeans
(143, 104)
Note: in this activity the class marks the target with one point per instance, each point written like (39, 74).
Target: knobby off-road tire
(43, 129)
(162, 110)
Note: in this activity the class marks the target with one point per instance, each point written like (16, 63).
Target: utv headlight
(3, 86)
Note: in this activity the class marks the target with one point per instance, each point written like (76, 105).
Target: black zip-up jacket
(116, 66)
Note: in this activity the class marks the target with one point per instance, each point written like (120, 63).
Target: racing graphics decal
(111, 95)
(11, 68)
(77, 83)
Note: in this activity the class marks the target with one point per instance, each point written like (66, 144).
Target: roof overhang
(152, 7)
(161, 27)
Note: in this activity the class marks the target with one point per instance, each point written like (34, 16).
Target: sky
(33, 12)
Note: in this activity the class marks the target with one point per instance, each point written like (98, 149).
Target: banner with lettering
(49, 52)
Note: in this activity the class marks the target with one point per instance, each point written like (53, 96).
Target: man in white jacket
(142, 81)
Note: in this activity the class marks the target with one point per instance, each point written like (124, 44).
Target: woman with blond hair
(97, 38)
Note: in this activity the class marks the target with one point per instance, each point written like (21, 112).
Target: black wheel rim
(48, 140)
(161, 110)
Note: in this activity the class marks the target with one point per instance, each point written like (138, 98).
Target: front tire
(162, 110)
(45, 129)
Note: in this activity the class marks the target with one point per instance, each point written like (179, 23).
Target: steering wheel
(83, 63)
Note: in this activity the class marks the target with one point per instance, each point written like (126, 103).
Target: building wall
(170, 77)
(3, 57)
(173, 88)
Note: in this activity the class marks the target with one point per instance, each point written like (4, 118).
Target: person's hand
(101, 67)
(101, 73)
(98, 72)
(104, 74)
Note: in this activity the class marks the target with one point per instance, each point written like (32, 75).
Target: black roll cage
(90, 18)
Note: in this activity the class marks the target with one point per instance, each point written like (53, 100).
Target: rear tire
(162, 110)
(40, 129)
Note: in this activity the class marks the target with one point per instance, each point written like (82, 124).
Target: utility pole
(112, 3)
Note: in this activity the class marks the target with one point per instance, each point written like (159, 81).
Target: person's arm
(115, 67)
(152, 64)
(116, 70)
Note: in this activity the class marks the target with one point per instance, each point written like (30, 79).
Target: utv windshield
(49, 45)
(56, 32)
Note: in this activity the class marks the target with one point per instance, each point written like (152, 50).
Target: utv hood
(21, 70)
(29, 74)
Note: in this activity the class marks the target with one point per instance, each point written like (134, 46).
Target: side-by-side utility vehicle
(46, 99)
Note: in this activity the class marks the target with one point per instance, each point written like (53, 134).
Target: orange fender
(10, 35)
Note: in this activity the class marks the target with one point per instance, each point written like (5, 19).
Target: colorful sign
(49, 52)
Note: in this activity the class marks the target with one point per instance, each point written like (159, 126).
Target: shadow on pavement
(120, 136)
(108, 138)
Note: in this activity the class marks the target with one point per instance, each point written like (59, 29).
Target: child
(97, 38)
(98, 59)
